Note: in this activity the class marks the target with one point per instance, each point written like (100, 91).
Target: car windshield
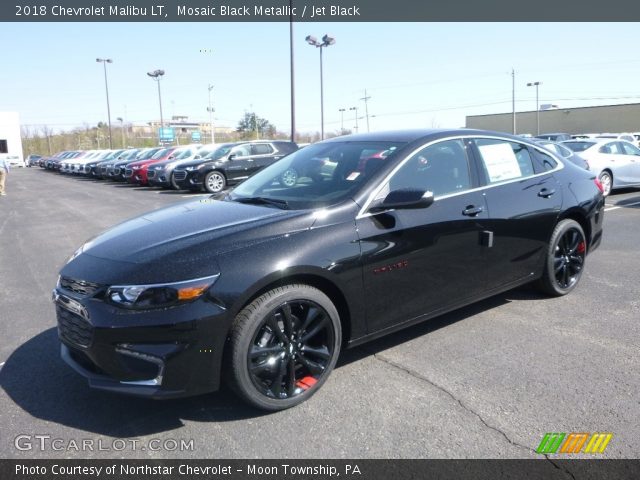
(316, 176)
(160, 153)
(579, 146)
(147, 154)
(186, 153)
(218, 152)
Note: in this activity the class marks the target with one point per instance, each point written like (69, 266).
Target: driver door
(425, 260)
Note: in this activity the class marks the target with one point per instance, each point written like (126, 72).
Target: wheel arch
(325, 285)
(578, 216)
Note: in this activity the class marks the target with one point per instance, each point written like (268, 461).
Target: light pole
(356, 110)
(326, 41)
(210, 109)
(104, 62)
(157, 76)
(291, 67)
(121, 120)
(366, 107)
(536, 84)
(342, 110)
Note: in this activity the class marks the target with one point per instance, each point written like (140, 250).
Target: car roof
(408, 136)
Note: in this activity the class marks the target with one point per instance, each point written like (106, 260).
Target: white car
(618, 136)
(13, 160)
(615, 162)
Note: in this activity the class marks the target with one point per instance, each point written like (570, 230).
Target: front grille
(116, 171)
(151, 174)
(179, 175)
(103, 170)
(73, 328)
(128, 172)
(79, 286)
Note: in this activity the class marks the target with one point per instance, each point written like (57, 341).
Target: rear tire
(283, 346)
(565, 259)
(607, 183)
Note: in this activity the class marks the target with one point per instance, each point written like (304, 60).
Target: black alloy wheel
(565, 259)
(284, 346)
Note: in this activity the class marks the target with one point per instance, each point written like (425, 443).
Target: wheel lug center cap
(291, 349)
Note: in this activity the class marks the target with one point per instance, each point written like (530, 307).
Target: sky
(417, 75)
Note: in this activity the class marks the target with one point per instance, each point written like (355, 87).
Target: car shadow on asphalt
(39, 382)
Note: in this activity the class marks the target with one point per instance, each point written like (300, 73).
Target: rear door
(524, 200)
(263, 155)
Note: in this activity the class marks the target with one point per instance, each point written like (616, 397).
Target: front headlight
(190, 169)
(136, 167)
(159, 295)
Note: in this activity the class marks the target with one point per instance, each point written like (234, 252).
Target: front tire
(283, 346)
(565, 259)
(214, 182)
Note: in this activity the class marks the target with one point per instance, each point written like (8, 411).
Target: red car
(136, 172)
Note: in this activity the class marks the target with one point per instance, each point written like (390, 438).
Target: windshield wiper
(283, 204)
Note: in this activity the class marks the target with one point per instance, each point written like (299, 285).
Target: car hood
(180, 242)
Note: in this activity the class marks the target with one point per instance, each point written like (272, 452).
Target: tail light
(598, 184)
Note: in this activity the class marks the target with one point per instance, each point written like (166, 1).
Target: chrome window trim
(363, 211)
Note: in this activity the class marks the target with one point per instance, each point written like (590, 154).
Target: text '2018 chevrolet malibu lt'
(266, 285)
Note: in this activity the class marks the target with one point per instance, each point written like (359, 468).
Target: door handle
(472, 210)
(546, 192)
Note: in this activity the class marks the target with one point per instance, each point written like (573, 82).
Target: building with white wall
(10, 140)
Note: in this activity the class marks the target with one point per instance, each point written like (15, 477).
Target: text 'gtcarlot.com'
(45, 443)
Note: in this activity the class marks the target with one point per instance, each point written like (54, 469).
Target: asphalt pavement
(486, 381)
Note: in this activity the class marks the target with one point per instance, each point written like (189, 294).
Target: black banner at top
(317, 10)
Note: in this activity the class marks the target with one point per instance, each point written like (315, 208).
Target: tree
(252, 126)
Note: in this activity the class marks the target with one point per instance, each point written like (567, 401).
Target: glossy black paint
(382, 270)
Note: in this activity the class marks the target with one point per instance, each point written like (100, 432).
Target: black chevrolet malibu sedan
(334, 245)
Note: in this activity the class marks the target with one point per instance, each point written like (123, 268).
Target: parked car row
(191, 167)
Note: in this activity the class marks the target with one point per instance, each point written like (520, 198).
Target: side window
(241, 151)
(610, 148)
(441, 168)
(546, 162)
(630, 149)
(504, 160)
(261, 149)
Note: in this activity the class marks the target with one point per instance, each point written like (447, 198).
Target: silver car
(615, 162)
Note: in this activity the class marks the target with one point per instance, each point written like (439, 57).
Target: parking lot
(486, 381)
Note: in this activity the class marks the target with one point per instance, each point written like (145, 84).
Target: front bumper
(155, 353)
(188, 180)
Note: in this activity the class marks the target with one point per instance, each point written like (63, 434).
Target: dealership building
(606, 118)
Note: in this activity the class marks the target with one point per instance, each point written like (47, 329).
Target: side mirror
(197, 157)
(406, 198)
(232, 156)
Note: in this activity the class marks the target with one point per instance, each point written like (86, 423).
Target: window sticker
(353, 175)
(500, 161)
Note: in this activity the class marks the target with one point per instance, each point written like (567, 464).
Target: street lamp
(121, 120)
(536, 84)
(104, 62)
(356, 110)
(157, 76)
(211, 110)
(326, 41)
(342, 110)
